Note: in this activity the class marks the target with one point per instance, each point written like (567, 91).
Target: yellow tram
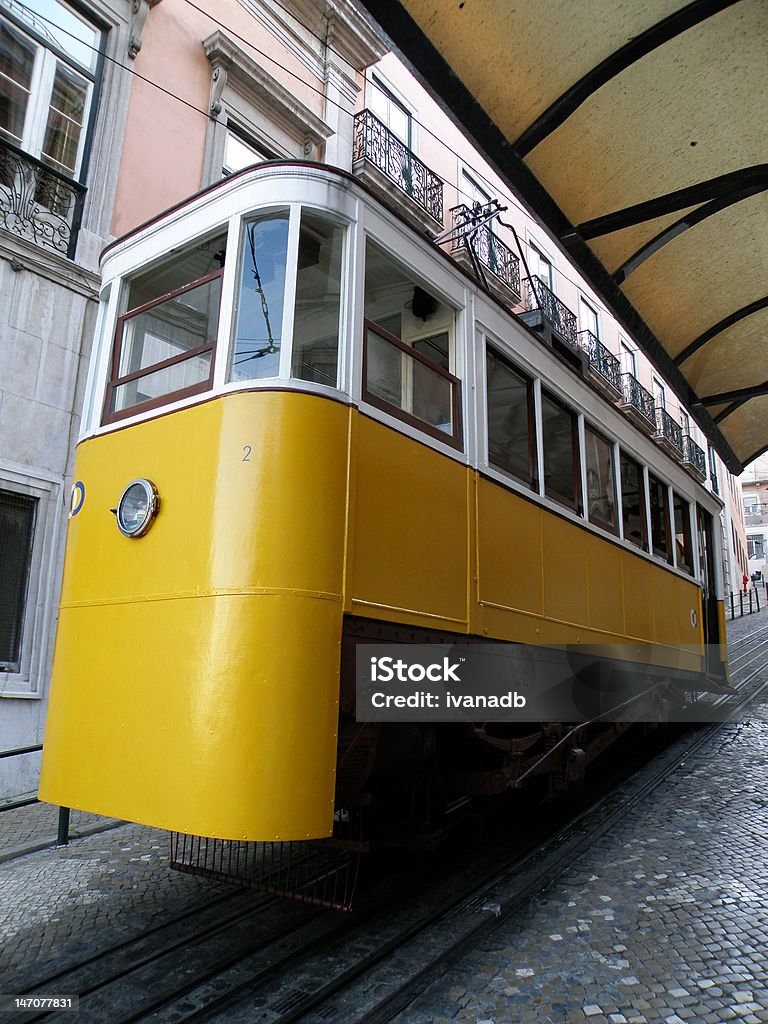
(305, 426)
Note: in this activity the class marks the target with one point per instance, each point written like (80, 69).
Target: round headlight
(137, 508)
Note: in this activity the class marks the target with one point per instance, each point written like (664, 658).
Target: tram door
(709, 590)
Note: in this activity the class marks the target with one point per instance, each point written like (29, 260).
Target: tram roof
(636, 133)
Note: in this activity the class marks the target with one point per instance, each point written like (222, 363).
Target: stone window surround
(245, 94)
(40, 604)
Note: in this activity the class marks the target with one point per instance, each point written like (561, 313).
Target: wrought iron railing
(694, 456)
(374, 142)
(636, 397)
(39, 203)
(601, 360)
(668, 429)
(489, 250)
(562, 320)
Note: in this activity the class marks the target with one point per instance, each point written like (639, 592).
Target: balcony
(604, 367)
(669, 433)
(490, 252)
(637, 403)
(38, 203)
(556, 324)
(383, 161)
(694, 459)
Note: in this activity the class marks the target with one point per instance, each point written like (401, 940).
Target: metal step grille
(319, 873)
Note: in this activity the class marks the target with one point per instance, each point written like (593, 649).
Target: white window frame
(627, 358)
(751, 502)
(376, 81)
(592, 313)
(46, 60)
(541, 255)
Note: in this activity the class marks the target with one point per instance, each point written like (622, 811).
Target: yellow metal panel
(606, 585)
(215, 716)
(664, 596)
(565, 571)
(410, 531)
(688, 606)
(638, 577)
(196, 673)
(509, 549)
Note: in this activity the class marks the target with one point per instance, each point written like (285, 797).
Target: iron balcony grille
(489, 250)
(39, 203)
(374, 142)
(601, 361)
(562, 320)
(668, 431)
(694, 457)
(636, 399)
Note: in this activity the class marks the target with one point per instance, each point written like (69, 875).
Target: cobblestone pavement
(25, 829)
(663, 921)
(64, 903)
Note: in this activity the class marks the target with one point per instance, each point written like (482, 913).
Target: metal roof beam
(739, 395)
(654, 37)
(735, 183)
(723, 325)
(689, 221)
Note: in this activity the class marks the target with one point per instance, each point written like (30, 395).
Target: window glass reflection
(659, 502)
(561, 452)
(633, 501)
(258, 335)
(683, 539)
(601, 486)
(511, 438)
(318, 301)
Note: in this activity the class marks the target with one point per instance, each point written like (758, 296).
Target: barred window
(17, 527)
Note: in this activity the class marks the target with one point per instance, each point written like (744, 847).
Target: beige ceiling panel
(615, 249)
(731, 360)
(703, 275)
(665, 123)
(747, 429)
(518, 58)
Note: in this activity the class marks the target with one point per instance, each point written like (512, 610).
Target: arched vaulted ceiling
(638, 134)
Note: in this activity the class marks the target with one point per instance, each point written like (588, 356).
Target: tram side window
(165, 341)
(633, 501)
(601, 484)
(561, 452)
(408, 351)
(259, 331)
(659, 501)
(511, 421)
(318, 300)
(683, 538)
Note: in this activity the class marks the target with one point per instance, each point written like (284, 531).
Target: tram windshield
(264, 313)
(165, 339)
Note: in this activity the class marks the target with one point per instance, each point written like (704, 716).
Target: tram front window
(165, 341)
(259, 333)
(408, 354)
(318, 301)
